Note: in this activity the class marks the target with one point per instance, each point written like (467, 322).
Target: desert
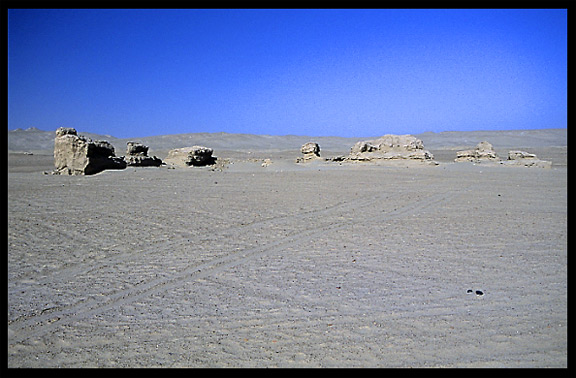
(263, 261)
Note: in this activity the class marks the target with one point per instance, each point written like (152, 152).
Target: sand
(290, 265)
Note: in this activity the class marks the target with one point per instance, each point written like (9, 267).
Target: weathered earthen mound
(137, 156)
(310, 150)
(483, 151)
(390, 147)
(77, 155)
(190, 156)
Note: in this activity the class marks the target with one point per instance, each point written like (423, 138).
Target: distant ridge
(35, 139)
(499, 138)
(228, 141)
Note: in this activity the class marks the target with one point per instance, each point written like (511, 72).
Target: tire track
(41, 324)
(127, 252)
(232, 232)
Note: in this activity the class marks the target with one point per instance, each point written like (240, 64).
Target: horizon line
(33, 129)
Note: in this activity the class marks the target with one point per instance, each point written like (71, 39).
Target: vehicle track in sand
(320, 222)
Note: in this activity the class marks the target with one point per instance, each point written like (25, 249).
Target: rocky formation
(137, 156)
(481, 153)
(522, 158)
(519, 155)
(310, 150)
(484, 153)
(390, 147)
(77, 155)
(187, 156)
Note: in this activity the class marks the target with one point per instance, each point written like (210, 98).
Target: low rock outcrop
(483, 152)
(310, 150)
(137, 156)
(190, 156)
(77, 155)
(519, 155)
(390, 147)
(523, 158)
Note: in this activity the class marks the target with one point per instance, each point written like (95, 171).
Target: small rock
(137, 156)
(191, 156)
(483, 151)
(310, 150)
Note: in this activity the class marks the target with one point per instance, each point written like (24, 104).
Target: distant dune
(34, 139)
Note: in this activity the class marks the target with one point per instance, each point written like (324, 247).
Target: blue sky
(138, 72)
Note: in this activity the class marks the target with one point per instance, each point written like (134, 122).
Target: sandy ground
(290, 265)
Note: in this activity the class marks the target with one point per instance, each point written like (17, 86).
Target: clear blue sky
(137, 72)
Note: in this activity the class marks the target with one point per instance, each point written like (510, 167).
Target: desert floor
(291, 265)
